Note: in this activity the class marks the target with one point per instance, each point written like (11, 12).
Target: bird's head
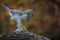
(30, 14)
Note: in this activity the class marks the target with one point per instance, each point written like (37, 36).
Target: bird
(19, 15)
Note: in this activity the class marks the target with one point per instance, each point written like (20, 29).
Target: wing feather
(7, 9)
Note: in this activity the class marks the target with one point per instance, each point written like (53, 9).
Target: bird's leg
(20, 27)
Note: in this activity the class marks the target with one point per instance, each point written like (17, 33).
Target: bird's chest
(16, 16)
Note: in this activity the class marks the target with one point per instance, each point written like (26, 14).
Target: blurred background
(46, 20)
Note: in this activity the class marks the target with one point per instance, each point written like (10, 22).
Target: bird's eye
(24, 13)
(20, 14)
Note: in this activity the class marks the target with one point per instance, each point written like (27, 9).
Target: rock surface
(22, 36)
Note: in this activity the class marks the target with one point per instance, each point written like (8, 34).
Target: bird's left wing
(7, 9)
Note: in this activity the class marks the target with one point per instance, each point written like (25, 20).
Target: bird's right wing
(7, 9)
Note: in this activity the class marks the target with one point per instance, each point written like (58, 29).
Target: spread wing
(7, 9)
